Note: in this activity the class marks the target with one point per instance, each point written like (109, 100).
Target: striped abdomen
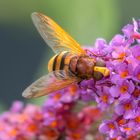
(60, 61)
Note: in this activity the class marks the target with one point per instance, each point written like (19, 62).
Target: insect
(71, 64)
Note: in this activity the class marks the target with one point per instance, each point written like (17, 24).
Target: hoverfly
(71, 64)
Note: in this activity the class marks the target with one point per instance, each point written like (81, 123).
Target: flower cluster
(106, 109)
(124, 64)
(33, 123)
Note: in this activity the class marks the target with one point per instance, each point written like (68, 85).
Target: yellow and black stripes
(60, 61)
(53, 67)
(63, 60)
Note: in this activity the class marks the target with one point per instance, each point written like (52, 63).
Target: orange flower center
(105, 98)
(127, 106)
(123, 88)
(111, 126)
(137, 119)
(121, 122)
(32, 128)
(73, 89)
(13, 132)
(76, 136)
(121, 56)
(127, 129)
(54, 124)
(131, 137)
(57, 96)
(113, 138)
(138, 57)
(138, 76)
(38, 116)
(124, 74)
(73, 124)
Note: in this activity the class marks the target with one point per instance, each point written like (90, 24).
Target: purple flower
(137, 73)
(76, 111)
(117, 41)
(126, 108)
(87, 92)
(124, 70)
(17, 106)
(104, 99)
(120, 54)
(122, 89)
(54, 100)
(135, 122)
(67, 95)
(133, 125)
(128, 30)
(128, 129)
(131, 31)
(71, 95)
(100, 43)
(136, 34)
(136, 53)
(110, 128)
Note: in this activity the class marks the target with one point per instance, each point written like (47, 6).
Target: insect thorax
(84, 67)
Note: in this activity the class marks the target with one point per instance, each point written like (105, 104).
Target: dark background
(23, 57)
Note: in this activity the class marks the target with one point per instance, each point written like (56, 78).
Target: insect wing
(47, 84)
(54, 35)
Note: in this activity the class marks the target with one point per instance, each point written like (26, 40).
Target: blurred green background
(23, 55)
